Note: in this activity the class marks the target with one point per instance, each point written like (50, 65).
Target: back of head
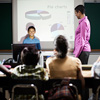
(80, 8)
(29, 56)
(61, 46)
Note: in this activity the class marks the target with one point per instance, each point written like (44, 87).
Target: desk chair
(74, 83)
(24, 86)
(97, 92)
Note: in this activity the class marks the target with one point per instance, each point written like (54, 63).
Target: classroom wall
(93, 56)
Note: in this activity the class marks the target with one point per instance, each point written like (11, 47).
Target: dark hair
(32, 28)
(80, 8)
(61, 46)
(30, 56)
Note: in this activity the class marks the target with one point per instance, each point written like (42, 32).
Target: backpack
(61, 91)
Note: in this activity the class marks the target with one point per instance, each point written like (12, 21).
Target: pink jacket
(82, 37)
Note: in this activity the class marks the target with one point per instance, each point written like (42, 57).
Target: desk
(7, 83)
(85, 73)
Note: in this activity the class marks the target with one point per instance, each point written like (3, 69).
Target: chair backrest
(38, 83)
(31, 87)
(76, 82)
(42, 86)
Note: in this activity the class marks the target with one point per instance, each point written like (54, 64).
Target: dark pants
(84, 57)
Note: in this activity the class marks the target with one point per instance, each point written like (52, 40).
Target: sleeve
(82, 38)
(98, 60)
(38, 46)
(15, 71)
(48, 61)
(24, 41)
(45, 75)
(79, 64)
(5, 70)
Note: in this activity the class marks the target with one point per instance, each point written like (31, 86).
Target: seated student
(96, 69)
(29, 69)
(30, 38)
(62, 65)
(95, 72)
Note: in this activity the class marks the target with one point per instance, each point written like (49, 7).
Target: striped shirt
(29, 71)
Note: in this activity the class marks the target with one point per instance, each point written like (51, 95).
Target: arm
(38, 46)
(48, 61)
(82, 38)
(93, 67)
(79, 73)
(5, 70)
(80, 76)
(47, 65)
(98, 60)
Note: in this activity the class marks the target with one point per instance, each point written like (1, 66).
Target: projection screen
(50, 18)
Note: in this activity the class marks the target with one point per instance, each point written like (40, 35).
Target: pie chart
(57, 29)
(37, 15)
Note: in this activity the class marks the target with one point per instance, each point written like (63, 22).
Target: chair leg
(75, 89)
(97, 92)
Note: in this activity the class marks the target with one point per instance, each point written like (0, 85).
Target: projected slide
(57, 29)
(50, 18)
(37, 15)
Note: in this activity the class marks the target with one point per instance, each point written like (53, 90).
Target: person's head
(31, 31)
(79, 11)
(61, 46)
(29, 56)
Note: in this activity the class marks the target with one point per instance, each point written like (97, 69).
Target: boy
(31, 39)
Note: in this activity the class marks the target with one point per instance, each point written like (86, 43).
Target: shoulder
(86, 22)
(76, 61)
(50, 60)
(39, 67)
(96, 65)
(96, 70)
(37, 38)
(17, 68)
(25, 39)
